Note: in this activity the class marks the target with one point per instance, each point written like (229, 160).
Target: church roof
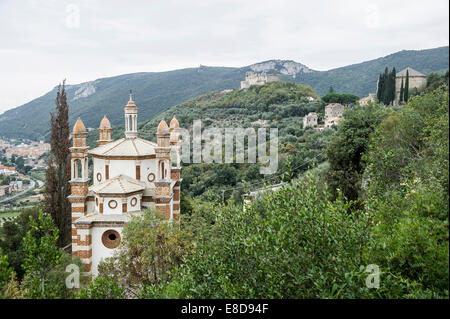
(79, 126)
(162, 126)
(174, 122)
(411, 72)
(130, 147)
(121, 184)
(105, 123)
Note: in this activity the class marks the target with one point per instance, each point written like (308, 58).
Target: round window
(151, 177)
(99, 177)
(111, 238)
(133, 201)
(112, 204)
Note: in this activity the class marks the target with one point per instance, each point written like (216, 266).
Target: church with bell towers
(129, 175)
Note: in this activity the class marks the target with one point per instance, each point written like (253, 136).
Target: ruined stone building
(334, 112)
(252, 78)
(310, 120)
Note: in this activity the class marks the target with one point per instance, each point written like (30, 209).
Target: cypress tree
(58, 171)
(392, 84)
(406, 91)
(401, 93)
(386, 86)
(379, 88)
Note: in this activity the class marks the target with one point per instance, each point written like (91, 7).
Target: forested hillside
(275, 105)
(155, 92)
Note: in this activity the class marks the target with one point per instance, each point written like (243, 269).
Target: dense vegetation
(382, 199)
(157, 91)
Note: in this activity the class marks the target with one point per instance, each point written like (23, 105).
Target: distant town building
(334, 112)
(416, 80)
(5, 170)
(310, 120)
(16, 186)
(367, 99)
(252, 78)
(5, 190)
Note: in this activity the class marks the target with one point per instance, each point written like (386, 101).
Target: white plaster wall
(99, 167)
(99, 251)
(91, 206)
(107, 210)
(136, 207)
(148, 166)
(125, 167)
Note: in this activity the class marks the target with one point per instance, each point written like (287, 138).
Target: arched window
(77, 168)
(163, 172)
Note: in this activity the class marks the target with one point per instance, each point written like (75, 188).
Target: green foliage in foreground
(346, 148)
(101, 288)
(408, 191)
(296, 243)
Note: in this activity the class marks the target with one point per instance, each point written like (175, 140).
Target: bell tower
(163, 179)
(131, 111)
(104, 132)
(175, 172)
(79, 183)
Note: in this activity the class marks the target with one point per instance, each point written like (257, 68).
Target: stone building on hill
(252, 78)
(129, 175)
(334, 112)
(310, 120)
(416, 80)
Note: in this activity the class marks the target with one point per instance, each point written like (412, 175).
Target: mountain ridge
(155, 92)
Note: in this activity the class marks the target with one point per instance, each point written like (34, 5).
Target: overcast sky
(43, 42)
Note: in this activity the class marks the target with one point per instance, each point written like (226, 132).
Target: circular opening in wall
(133, 201)
(111, 239)
(112, 204)
(151, 177)
(99, 177)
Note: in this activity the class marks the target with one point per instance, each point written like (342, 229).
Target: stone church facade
(129, 175)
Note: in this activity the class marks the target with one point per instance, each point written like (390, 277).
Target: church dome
(105, 123)
(174, 123)
(79, 126)
(162, 126)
